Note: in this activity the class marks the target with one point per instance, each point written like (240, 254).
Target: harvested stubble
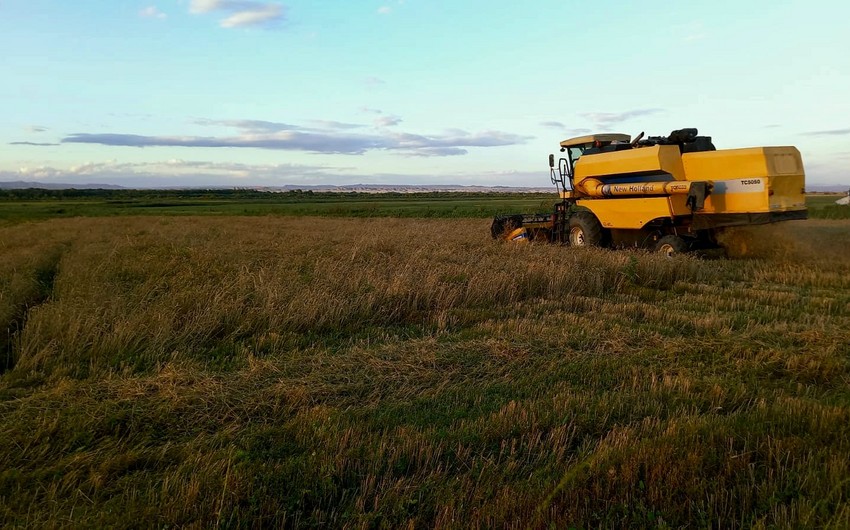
(316, 372)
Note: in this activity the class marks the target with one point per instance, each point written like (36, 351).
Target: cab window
(576, 151)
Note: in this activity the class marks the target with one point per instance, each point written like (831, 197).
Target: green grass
(820, 200)
(314, 372)
(25, 205)
(824, 207)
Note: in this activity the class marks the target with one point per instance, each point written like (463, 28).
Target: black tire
(671, 245)
(497, 228)
(585, 230)
(503, 224)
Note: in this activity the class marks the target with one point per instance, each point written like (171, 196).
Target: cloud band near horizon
(328, 142)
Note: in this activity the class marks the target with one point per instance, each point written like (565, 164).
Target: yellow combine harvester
(673, 193)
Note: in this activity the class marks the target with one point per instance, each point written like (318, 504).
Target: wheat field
(358, 373)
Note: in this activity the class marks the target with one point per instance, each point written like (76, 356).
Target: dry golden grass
(357, 373)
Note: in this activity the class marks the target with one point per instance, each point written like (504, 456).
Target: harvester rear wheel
(671, 245)
(585, 230)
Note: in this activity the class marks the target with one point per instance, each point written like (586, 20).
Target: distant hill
(360, 188)
(22, 185)
(830, 188)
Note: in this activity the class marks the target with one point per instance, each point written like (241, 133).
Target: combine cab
(669, 193)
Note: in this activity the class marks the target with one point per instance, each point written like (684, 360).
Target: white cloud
(175, 172)
(607, 119)
(90, 168)
(337, 139)
(826, 170)
(240, 13)
(152, 12)
(436, 151)
(252, 18)
(263, 126)
(252, 126)
(32, 173)
(332, 124)
(204, 6)
(830, 132)
(373, 81)
(387, 121)
(553, 125)
(386, 9)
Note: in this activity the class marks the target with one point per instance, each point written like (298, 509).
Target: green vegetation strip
(26, 205)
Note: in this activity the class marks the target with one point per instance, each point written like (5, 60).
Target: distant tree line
(39, 194)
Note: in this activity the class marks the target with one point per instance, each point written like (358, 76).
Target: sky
(159, 93)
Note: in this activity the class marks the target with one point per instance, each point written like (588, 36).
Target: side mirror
(552, 161)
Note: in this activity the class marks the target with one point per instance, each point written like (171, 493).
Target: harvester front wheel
(671, 245)
(585, 230)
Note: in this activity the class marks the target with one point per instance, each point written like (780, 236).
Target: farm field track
(348, 372)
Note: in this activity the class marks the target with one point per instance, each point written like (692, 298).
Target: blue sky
(244, 92)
